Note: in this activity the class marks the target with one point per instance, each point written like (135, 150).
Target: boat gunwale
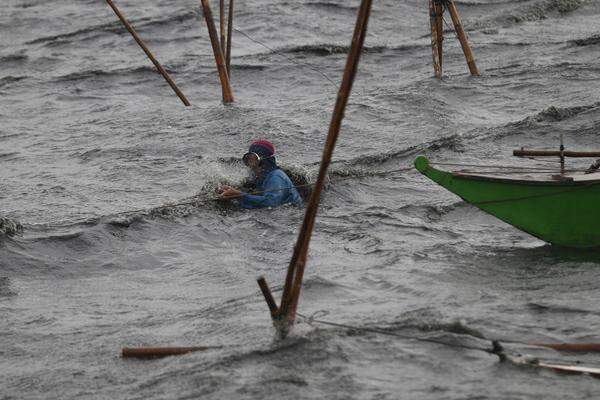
(570, 182)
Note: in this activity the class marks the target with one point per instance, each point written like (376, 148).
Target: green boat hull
(562, 213)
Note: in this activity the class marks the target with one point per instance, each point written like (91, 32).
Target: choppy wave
(14, 58)
(590, 41)
(89, 33)
(328, 49)
(5, 287)
(553, 113)
(331, 5)
(535, 12)
(10, 227)
(97, 73)
(115, 27)
(7, 80)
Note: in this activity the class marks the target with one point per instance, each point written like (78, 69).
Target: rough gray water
(89, 130)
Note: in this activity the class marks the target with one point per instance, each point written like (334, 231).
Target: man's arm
(272, 196)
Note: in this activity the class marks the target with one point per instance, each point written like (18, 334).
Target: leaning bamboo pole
(143, 46)
(462, 37)
(218, 52)
(284, 316)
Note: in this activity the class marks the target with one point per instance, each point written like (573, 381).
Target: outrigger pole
(284, 315)
(218, 49)
(141, 43)
(436, 21)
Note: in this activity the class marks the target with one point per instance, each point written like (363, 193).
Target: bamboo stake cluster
(436, 22)
(284, 315)
(222, 60)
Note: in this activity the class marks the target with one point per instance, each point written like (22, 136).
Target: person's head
(260, 156)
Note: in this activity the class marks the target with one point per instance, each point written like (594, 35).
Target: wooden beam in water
(159, 352)
(143, 46)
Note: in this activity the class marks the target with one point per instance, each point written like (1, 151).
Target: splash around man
(273, 186)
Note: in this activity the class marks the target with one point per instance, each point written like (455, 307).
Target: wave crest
(10, 227)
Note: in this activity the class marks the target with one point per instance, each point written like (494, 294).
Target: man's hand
(227, 192)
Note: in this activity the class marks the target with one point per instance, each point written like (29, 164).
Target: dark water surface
(88, 130)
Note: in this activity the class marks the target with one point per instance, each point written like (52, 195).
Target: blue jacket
(274, 190)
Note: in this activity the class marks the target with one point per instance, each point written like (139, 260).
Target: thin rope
(288, 58)
(311, 320)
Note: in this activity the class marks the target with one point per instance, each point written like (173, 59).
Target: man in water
(273, 186)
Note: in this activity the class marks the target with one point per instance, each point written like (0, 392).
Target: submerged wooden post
(462, 37)
(218, 52)
(141, 43)
(229, 33)
(435, 50)
(264, 288)
(285, 314)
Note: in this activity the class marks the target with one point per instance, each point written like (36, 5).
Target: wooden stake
(229, 33)
(264, 288)
(157, 352)
(435, 52)
(218, 53)
(139, 41)
(222, 23)
(439, 28)
(462, 37)
(287, 311)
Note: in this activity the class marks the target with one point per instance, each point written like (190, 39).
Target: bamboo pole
(572, 347)
(462, 37)
(158, 352)
(556, 153)
(286, 313)
(435, 53)
(218, 52)
(222, 23)
(264, 288)
(229, 33)
(439, 28)
(141, 43)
